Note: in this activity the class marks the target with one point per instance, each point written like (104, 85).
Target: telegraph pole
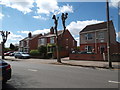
(4, 37)
(108, 31)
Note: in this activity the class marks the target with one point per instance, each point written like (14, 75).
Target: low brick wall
(87, 57)
(62, 54)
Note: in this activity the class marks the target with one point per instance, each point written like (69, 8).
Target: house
(66, 42)
(94, 38)
(29, 43)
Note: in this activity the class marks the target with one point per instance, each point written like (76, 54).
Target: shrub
(34, 53)
(42, 50)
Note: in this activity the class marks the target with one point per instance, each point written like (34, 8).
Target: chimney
(29, 34)
(51, 30)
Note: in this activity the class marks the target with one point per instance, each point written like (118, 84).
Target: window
(88, 36)
(52, 40)
(101, 35)
(88, 48)
(42, 41)
(27, 44)
(73, 43)
(66, 41)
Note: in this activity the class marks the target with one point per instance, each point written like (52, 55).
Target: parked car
(21, 55)
(8, 53)
(5, 71)
(11, 54)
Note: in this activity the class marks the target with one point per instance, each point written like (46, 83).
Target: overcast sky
(35, 16)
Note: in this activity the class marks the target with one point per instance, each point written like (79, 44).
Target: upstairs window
(42, 41)
(88, 36)
(101, 35)
(52, 40)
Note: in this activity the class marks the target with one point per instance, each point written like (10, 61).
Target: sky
(23, 16)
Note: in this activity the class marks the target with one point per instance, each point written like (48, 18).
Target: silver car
(21, 55)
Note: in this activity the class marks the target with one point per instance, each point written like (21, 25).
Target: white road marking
(33, 70)
(113, 81)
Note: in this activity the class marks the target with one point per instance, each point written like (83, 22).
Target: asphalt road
(32, 74)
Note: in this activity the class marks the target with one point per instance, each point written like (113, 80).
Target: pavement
(66, 61)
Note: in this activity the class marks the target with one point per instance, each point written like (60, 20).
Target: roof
(26, 38)
(97, 26)
(52, 35)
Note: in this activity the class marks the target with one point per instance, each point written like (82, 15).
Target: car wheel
(21, 57)
(15, 57)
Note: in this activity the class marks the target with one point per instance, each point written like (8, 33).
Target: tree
(12, 47)
(4, 35)
(57, 41)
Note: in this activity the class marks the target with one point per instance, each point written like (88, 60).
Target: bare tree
(64, 17)
(57, 41)
(4, 38)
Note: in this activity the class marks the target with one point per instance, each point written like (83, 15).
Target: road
(32, 74)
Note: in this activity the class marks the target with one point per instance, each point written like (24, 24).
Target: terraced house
(29, 43)
(66, 42)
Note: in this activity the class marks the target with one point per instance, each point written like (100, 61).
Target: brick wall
(62, 54)
(87, 57)
(33, 44)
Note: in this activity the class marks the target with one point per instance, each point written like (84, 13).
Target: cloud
(1, 15)
(76, 27)
(21, 5)
(14, 37)
(78, 40)
(46, 6)
(36, 31)
(118, 34)
(114, 3)
(51, 6)
(39, 17)
(66, 8)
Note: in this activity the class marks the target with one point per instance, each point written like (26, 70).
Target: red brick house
(94, 38)
(67, 42)
(29, 43)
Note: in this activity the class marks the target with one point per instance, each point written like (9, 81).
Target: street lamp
(4, 37)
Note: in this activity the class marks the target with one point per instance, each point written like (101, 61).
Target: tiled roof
(26, 38)
(98, 26)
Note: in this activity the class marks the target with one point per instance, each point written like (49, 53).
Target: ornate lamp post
(57, 41)
(4, 37)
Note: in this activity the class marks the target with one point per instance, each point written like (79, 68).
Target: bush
(42, 49)
(34, 53)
